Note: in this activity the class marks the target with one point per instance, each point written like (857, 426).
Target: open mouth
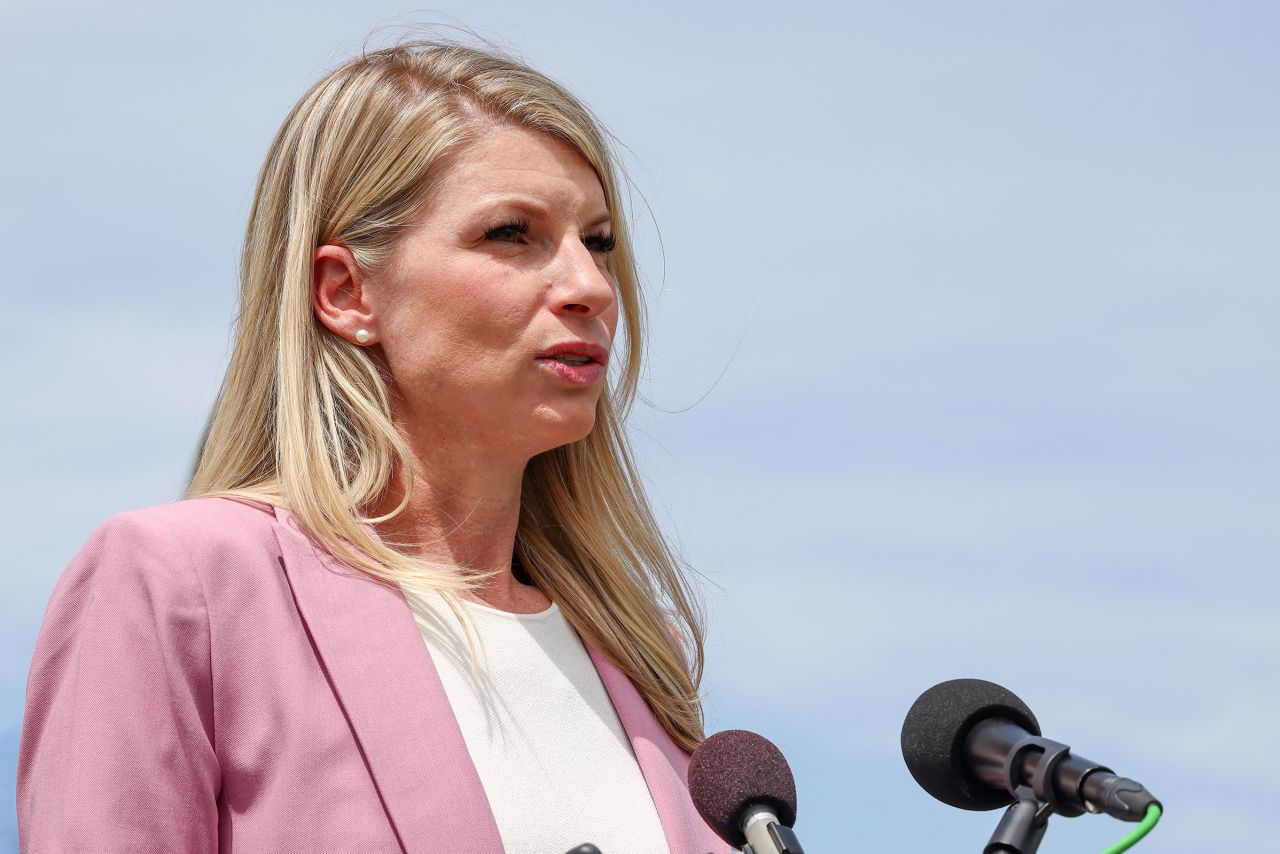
(576, 356)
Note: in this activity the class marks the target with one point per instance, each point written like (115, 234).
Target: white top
(556, 764)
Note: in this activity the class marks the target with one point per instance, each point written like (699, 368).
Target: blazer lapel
(383, 676)
(664, 765)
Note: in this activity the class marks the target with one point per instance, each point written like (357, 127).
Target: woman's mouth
(575, 362)
(576, 370)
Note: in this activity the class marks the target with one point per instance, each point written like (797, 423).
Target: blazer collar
(400, 714)
(664, 765)
(383, 676)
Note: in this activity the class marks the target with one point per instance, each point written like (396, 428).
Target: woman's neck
(463, 511)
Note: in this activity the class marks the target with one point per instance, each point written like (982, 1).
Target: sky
(963, 357)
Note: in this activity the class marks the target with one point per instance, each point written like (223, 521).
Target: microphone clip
(1041, 756)
(1024, 823)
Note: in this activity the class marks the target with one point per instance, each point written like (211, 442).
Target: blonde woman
(415, 599)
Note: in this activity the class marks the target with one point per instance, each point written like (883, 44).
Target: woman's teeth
(572, 360)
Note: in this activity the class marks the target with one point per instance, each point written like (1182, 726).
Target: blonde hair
(303, 417)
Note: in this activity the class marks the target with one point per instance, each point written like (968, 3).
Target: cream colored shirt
(556, 765)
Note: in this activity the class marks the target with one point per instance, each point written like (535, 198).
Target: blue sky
(977, 304)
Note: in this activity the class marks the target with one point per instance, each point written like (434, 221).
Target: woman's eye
(509, 233)
(602, 243)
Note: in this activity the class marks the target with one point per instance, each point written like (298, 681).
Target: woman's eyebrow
(533, 206)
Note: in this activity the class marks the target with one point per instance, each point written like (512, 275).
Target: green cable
(1153, 815)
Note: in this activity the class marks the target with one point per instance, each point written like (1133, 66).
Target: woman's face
(496, 312)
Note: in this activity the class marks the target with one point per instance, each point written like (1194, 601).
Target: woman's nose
(582, 285)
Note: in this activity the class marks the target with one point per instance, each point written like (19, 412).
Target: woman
(416, 599)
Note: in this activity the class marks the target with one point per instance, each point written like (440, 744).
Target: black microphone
(973, 744)
(743, 789)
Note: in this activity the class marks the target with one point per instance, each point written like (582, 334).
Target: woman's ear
(338, 296)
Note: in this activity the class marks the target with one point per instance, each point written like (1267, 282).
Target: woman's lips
(578, 350)
(584, 374)
(576, 362)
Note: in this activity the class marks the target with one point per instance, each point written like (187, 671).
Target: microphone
(974, 745)
(743, 789)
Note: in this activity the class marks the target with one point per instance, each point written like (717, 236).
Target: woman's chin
(564, 427)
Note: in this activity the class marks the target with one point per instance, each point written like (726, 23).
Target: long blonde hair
(303, 417)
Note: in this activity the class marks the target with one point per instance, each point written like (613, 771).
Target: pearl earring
(363, 336)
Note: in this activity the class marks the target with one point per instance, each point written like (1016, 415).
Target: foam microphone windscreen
(733, 770)
(934, 733)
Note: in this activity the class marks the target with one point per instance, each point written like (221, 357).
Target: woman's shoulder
(163, 543)
(200, 517)
(196, 523)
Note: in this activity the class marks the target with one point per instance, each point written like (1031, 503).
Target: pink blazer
(208, 679)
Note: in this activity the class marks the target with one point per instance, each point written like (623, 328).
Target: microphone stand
(1022, 826)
